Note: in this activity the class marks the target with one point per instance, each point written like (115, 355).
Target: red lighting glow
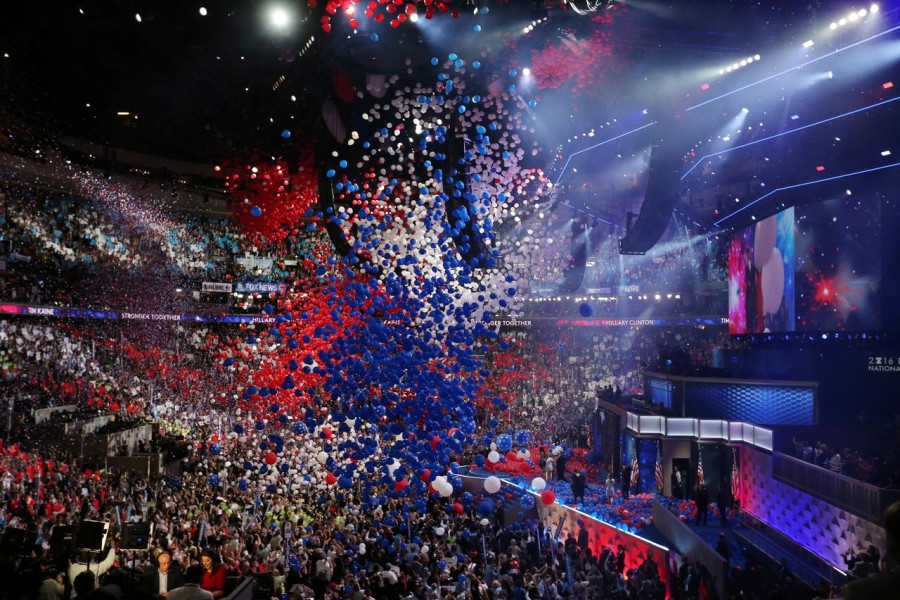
(704, 86)
(820, 168)
(887, 85)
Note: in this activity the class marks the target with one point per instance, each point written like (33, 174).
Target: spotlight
(137, 17)
(873, 8)
(833, 26)
(808, 44)
(279, 17)
(526, 71)
(414, 17)
(830, 74)
(745, 110)
(203, 11)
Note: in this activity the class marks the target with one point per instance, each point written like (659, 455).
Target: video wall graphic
(815, 267)
(761, 276)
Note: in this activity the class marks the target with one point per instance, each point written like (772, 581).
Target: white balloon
(485, 522)
(538, 484)
(764, 241)
(492, 484)
(493, 456)
(773, 283)
(439, 531)
(322, 457)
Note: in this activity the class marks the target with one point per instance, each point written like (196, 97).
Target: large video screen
(761, 276)
(815, 267)
(839, 265)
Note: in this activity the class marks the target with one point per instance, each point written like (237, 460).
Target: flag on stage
(735, 475)
(699, 465)
(659, 468)
(635, 467)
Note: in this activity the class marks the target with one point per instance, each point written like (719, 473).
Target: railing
(854, 496)
(803, 563)
(702, 429)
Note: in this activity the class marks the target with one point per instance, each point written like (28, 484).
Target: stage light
(862, 12)
(279, 17)
(820, 168)
(808, 44)
(745, 110)
(414, 17)
(842, 22)
(887, 85)
(886, 153)
(830, 74)
(873, 8)
(203, 11)
(833, 26)
(137, 17)
(526, 71)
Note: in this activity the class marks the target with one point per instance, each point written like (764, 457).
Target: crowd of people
(882, 470)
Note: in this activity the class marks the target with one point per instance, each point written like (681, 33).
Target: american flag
(635, 467)
(735, 475)
(659, 469)
(699, 465)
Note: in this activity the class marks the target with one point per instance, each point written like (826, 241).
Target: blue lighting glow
(783, 133)
(612, 139)
(805, 184)
(800, 66)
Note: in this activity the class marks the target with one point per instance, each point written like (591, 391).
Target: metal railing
(803, 563)
(862, 499)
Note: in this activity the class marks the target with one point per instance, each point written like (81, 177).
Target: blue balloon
(256, 211)
(504, 442)
(213, 480)
(486, 508)
(527, 501)
(286, 134)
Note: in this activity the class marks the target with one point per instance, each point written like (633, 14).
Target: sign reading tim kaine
(215, 286)
(259, 287)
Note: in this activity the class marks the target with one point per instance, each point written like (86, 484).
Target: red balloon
(434, 442)
(271, 458)
(458, 508)
(400, 485)
(426, 475)
(548, 497)
(327, 433)
(330, 479)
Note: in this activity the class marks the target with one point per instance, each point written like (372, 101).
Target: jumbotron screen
(815, 267)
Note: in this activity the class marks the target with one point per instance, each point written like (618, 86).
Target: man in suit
(158, 581)
(884, 584)
(191, 589)
(702, 505)
(677, 484)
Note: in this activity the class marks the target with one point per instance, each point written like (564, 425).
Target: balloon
(256, 211)
(330, 479)
(538, 483)
(548, 497)
(764, 241)
(585, 309)
(492, 484)
(322, 457)
(527, 501)
(493, 456)
(773, 283)
(458, 508)
(271, 458)
(504, 442)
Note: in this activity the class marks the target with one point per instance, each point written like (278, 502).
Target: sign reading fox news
(259, 287)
